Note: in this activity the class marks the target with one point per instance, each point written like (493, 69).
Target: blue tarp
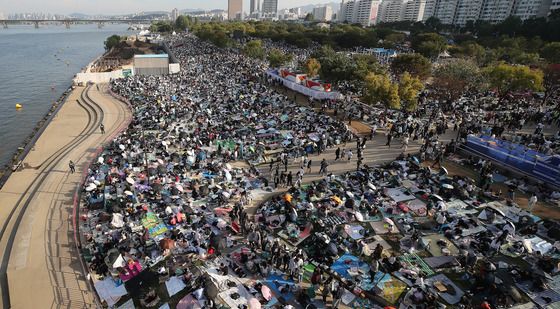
(347, 261)
(274, 282)
(529, 161)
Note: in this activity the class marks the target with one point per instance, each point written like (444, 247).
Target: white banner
(315, 94)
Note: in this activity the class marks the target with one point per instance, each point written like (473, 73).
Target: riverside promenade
(39, 264)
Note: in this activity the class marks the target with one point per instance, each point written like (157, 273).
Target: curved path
(39, 263)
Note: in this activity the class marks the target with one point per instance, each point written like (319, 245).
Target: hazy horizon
(117, 7)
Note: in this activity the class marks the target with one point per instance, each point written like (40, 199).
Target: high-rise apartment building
(323, 13)
(399, 10)
(270, 7)
(467, 10)
(255, 6)
(414, 10)
(235, 9)
(363, 12)
(174, 14)
(526, 9)
(391, 11)
(495, 11)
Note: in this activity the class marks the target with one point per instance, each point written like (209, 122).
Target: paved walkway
(39, 264)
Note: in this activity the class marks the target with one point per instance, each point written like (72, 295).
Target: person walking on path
(102, 128)
(405, 142)
(309, 166)
(72, 167)
(290, 179)
(532, 202)
(438, 160)
(337, 153)
(389, 138)
(323, 169)
(359, 163)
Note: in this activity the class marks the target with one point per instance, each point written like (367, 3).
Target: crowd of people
(168, 216)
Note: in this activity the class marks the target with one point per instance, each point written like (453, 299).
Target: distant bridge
(68, 22)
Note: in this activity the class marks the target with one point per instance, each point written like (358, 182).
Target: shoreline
(19, 154)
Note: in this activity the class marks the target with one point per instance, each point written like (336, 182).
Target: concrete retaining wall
(103, 77)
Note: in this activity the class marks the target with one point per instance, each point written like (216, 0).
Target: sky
(126, 6)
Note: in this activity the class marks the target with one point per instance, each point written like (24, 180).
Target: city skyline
(119, 7)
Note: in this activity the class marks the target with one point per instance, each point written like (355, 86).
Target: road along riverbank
(38, 251)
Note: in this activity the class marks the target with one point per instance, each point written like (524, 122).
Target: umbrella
(359, 216)
(180, 188)
(371, 186)
(254, 303)
(350, 194)
(91, 187)
(130, 180)
(128, 193)
(267, 294)
(96, 182)
(437, 197)
(447, 186)
(121, 147)
(443, 171)
(389, 221)
(100, 160)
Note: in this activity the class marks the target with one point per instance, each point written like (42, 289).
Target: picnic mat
(376, 239)
(388, 287)
(398, 194)
(412, 261)
(544, 298)
(417, 207)
(174, 285)
(274, 282)
(434, 249)
(381, 228)
(441, 261)
(354, 231)
(452, 295)
(347, 263)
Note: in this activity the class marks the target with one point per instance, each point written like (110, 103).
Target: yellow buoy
(19, 106)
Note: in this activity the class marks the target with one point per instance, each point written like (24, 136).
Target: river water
(36, 67)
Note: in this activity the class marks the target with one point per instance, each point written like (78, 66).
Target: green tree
(312, 67)
(378, 88)
(254, 49)
(393, 39)
(409, 88)
(366, 64)
(433, 23)
(507, 79)
(429, 45)
(334, 66)
(183, 22)
(112, 41)
(551, 52)
(469, 49)
(161, 26)
(277, 58)
(454, 78)
(415, 64)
